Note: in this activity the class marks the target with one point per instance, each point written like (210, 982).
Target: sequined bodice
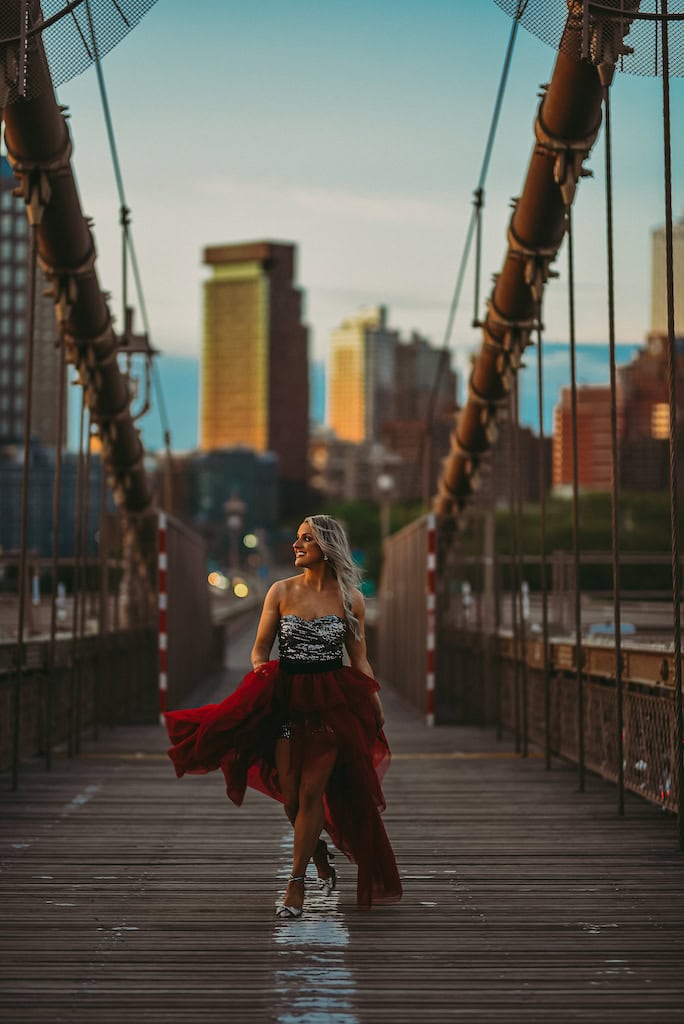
(305, 640)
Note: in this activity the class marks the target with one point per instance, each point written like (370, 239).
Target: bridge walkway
(129, 896)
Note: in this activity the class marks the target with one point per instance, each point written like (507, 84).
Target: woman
(305, 729)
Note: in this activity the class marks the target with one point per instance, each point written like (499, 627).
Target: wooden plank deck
(130, 896)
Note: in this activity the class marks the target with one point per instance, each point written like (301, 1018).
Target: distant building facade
(351, 471)
(255, 374)
(645, 415)
(593, 438)
(204, 486)
(659, 279)
(48, 379)
(382, 392)
(40, 519)
(362, 375)
(496, 478)
(381, 385)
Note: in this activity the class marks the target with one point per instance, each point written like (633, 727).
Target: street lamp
(385, 486)
(234, 509)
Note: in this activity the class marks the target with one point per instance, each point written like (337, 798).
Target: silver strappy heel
(330, 882)
(284, 910)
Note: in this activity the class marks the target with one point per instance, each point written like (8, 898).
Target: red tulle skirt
(325, 710)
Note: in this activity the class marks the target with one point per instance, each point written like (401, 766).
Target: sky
(355, 130)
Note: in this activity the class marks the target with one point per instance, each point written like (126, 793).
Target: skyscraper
(659, 279)
(377, 378)
(424, 378)
(14, 284)
(362, 375)
(254, 381)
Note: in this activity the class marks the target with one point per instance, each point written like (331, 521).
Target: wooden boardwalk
(130, 896)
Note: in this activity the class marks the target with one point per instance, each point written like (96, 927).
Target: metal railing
(484, 675)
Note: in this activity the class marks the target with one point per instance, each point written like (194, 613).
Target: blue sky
(356, 130)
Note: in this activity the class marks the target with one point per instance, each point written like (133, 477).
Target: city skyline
(366, 155)
(181, 375)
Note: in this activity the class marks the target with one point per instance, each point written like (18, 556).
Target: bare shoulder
(289, 584)
(358, 604)
(275, 594)
(280, 590)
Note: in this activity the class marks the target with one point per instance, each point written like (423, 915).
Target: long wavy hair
(332, 540)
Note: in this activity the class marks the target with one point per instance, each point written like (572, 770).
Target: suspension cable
(615, 463)
(77, 584)
(474, 223)
(514, 549)
(519, 569)
(128, 246)
(85, 573)
(479, 203)
(103, 604)
(56, 521)
(25, 482)
(484, 169)
(542, 542)
(575, 506)
(678, 767)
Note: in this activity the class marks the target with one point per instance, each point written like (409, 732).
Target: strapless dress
(308, 696)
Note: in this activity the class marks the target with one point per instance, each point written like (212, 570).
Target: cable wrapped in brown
(39, 150)
(566, 127)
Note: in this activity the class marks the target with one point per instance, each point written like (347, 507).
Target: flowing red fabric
(330, 709)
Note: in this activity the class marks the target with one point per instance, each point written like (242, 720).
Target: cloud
(340, 203)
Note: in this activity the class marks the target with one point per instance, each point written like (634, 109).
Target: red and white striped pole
(430, 610)
(161, 585)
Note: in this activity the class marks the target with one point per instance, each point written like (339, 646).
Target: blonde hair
(333, 542)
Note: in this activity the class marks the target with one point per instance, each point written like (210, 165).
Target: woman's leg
(289, 786)
(288, 780)
(309, 820)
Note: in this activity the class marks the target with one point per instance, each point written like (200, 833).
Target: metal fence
(192, 650)
(402, 619)
(487, 673)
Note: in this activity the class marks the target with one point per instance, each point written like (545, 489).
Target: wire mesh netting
(66, 29)
(639, 24)
(649, 751)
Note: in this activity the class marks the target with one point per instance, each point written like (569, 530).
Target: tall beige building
(659, 280)
(254, 381)
(362, 375)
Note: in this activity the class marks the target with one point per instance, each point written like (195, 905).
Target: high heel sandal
(286, 911)
(323, 853)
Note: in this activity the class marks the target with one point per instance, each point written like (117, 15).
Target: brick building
(593, 438)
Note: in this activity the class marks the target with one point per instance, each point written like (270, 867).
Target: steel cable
(542, 543)
(76, 588)
(575, 507)
(678, 767)
(25, 488)
(56, 521)
(473, 227)
(128, 245)
(522, 640)
(514, 580)
(614, 452)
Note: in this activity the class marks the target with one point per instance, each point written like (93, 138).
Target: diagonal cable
(129, 246)
(475, 220)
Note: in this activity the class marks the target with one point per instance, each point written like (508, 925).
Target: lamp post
(234, 509)
(385, 486)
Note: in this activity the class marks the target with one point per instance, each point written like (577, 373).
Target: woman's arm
(356, 649)
(267, 628)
